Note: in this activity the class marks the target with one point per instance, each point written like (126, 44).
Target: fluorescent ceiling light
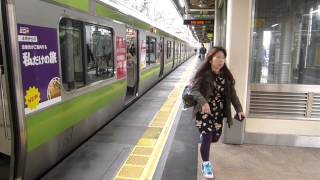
(275, 25)
(181, 2)
(315, 11)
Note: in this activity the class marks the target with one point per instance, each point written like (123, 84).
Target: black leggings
(205, 146)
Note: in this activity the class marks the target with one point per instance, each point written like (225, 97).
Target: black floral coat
(208, 83)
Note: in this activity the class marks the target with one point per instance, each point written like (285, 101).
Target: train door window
(184, 52)
(174, 53)
(99, 46)
(70, 34)
(180, 50)
(151, 50)
(159, 50)
(177, 52)
(169, 53)
(161, 55)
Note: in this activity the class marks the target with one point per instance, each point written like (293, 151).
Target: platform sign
(198, 22)
(38, 48)
(121, 57)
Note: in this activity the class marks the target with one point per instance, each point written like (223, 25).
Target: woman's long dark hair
(206, 66)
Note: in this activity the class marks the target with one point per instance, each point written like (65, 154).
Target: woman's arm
(197, 96)
(235, 99)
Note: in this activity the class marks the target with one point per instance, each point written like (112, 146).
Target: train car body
(68, 67)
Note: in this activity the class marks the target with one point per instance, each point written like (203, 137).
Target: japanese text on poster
(39, 66)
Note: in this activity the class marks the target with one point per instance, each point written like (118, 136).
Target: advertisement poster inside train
(121, 57)
(143, 50)
(38, 48)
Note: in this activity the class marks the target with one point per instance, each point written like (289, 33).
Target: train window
(99, 46)
(151, 50)
(70, 34)
(86, 53)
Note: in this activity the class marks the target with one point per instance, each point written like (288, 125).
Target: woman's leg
(205, 146)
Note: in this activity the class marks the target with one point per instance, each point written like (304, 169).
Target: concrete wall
(238, 45)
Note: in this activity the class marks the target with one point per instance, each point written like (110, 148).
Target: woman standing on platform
(214, 92)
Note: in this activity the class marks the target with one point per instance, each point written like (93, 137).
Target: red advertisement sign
(121, 57)
(143, 49)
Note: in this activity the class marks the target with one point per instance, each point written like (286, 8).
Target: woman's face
(217, 60)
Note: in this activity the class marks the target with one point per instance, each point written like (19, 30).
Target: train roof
(115, 10)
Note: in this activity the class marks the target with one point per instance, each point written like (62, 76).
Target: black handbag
(187, 98)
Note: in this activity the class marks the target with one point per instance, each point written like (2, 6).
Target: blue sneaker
(207, 170)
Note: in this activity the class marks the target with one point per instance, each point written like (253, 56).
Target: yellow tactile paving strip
(143, 160)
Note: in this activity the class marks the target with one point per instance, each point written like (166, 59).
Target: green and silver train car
(67, 68)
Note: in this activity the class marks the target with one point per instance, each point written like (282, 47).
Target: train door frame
(12, 68)
(6, 145)
(161, 48)
(173, 53)
(133, 93)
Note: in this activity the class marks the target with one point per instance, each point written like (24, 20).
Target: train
(67, 68)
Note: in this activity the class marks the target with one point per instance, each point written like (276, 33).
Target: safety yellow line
(144, 158)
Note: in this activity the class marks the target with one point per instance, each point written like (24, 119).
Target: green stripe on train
(47, 124)
(147, 74)
(78, 4)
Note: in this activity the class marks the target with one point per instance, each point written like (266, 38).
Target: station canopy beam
(198, 15)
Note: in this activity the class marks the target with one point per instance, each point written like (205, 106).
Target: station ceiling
(198, 10)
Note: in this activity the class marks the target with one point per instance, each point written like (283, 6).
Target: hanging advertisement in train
(143, 52)
(121, 57)
(38, 48)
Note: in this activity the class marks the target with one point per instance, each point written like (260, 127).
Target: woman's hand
(241, 115)
(206, 108)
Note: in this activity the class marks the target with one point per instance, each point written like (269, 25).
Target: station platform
(133, 143)
(263, 162)
(155, 138)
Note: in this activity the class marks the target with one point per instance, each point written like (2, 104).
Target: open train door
(12, 131)
(132, 64)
